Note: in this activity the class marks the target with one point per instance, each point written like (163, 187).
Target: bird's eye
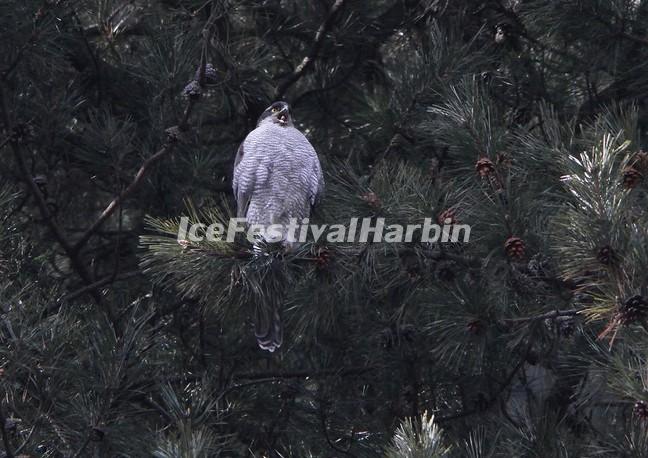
(274, 110)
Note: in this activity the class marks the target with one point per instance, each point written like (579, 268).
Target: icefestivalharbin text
(357, 230)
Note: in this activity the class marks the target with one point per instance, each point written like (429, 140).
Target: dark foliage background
(522, 118)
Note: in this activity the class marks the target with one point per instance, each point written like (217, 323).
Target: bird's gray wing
(316, 184)
(242, 184)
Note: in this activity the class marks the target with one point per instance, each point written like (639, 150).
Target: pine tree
(525, 119)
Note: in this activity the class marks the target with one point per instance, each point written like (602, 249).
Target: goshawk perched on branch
(277, 176)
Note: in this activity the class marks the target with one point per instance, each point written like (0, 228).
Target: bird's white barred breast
(280, 172)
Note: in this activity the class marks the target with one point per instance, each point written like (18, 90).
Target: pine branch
(418, 437)
(308, 61)
(546, 316)
(173, 135)
(75, 260)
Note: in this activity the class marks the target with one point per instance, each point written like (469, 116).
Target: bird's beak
(282, 116)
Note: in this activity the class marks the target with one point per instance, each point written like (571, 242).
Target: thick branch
(308, 61)
(116, 202)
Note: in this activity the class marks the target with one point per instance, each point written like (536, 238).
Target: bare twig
(308, 61)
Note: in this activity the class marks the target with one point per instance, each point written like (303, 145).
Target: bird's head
(277, 113)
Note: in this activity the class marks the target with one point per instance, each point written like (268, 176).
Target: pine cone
(211, 75)
(631, 177)
(484, 167)
(192, 90)
(372, 199)
(633, 309)
(448, 216)
(606, 255)
(514, 247)
(641, 410)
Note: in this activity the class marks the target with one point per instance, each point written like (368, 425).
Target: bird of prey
(277, 176)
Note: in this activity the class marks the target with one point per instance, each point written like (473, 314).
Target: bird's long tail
(267, 326)
(268, 297)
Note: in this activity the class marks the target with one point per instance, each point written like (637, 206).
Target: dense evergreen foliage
(523, 118)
